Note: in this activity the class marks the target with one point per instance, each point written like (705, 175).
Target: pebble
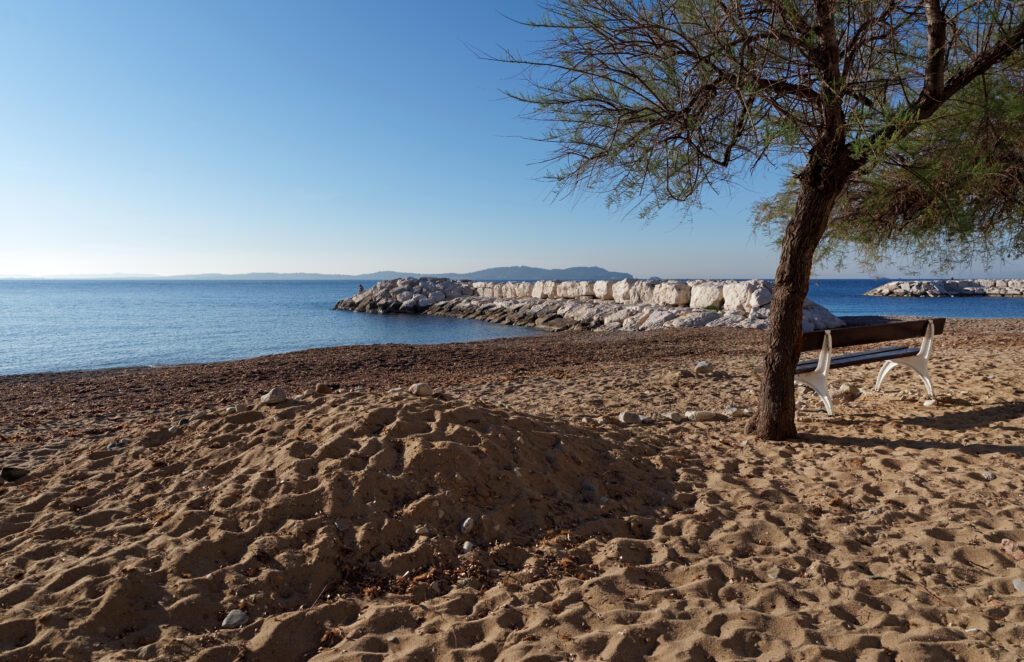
(183, 422)
(646, 419)
(147, 652)
(929, 403)
(421, 390)
(423, 530)
(589, 491)
(236, 618)
(674, 416)
(116, 445)
(467, 524)
(324, 389)
(988, 475)
(468, 546)
(629, 417)
(231, 410)
(700, 416)
(702, 368)
(1019, 584)
(848, 392)
(274, 396)
(13, 473)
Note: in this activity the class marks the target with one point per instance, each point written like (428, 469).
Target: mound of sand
(154, 538)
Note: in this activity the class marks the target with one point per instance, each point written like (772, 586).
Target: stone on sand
(236, 618)
(421, 390)
(629, 418)
(702, 368)
(274, 396)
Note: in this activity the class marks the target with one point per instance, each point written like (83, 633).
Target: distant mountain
(494, 273)
(534, 273)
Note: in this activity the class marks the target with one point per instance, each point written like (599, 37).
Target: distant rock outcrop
(627, 304)
(950, 288)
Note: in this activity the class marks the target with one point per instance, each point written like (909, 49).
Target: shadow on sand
(961, 421)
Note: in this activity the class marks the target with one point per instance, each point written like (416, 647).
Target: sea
(60, 325)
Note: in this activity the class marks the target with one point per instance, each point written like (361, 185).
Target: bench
(814, 373)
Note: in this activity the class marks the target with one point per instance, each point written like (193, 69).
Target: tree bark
(821, 182)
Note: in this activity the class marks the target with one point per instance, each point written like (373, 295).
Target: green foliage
(950, 193)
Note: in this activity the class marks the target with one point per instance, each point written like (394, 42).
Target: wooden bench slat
(859, 358)
(866, 335)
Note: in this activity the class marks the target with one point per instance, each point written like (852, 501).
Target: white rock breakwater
(626, 305)
(950, 288)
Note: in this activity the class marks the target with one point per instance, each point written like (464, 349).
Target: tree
(950, 194)
(653, 101)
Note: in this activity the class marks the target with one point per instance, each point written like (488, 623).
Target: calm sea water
(52, 325)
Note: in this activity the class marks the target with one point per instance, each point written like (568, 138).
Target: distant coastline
(493, 273)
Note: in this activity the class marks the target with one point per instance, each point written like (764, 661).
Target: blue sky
(334, 136)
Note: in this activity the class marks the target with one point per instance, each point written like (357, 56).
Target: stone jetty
(624, 305)
(950, 288)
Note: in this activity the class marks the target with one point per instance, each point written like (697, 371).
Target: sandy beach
(510, 514)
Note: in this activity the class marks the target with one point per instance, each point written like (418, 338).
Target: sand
(510, 515)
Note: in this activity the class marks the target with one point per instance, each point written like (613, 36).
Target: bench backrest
(865, 335)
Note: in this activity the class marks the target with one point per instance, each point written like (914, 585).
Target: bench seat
(859, 358)
(814, 373)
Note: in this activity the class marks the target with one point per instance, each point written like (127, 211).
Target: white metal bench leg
(917, 363)
(817, 381)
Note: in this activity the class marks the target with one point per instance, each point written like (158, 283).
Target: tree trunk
(821, 182)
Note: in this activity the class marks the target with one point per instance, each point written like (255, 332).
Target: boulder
(736, 296)
(603, 290)
(621, 290)
(671, 293)
(706, 295)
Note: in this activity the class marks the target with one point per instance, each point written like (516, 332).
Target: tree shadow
(971, 418)
(892, 444)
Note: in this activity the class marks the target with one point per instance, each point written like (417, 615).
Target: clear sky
(324, 136)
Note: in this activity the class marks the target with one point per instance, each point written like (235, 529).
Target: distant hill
(494, 273)
(511, 273)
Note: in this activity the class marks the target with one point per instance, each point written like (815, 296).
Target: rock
(674, 416)
(12, 474)
(274, 396)
(468, 546)
(589, 491)
(603, 290)
(116, 445)
(988, 475)
(236, 618)
(147, 652)
(736, 296)
(467, 524)
(629, 418)
(323, 389)
(702, 368)
(706, 295)
(621, 289)
(1019, 584)
(929, 403)
(671, 293)
(231, 410)
(421, 390)
(700, 416)
(848, 392)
